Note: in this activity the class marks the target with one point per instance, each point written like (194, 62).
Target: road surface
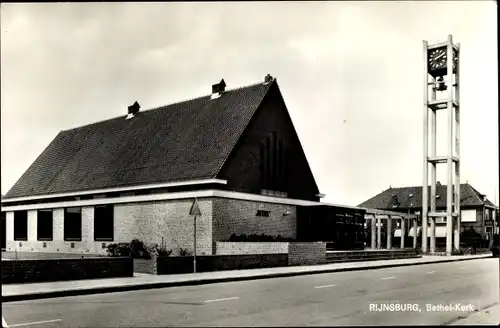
(348, 298)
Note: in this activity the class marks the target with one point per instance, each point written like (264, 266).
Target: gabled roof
(469, 196)
(183, 141)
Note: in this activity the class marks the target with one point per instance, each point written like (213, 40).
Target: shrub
(158, 250)
(185, 252)
(136, 249)
(118, 249)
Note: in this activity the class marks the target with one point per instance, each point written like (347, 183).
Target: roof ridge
(200, 97)
(476, 193)
(462, 184)
(169, 104)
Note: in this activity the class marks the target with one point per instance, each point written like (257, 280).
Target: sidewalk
(30, 291)
(488, 316)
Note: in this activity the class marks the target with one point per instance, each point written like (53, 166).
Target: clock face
(437, 58)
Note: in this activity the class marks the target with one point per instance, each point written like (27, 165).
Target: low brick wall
(8, 255)
(241, 248)
(207, 263)
(145, 266)
(26, 271)
(306, 253)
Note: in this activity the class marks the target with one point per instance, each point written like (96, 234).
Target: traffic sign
(195, 209)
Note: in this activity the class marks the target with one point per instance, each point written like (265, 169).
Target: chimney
(218, 89)
(268, 79)
(133, 110)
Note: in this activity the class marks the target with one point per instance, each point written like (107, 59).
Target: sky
(351, 74)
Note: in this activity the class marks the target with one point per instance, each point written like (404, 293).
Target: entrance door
(4, 232)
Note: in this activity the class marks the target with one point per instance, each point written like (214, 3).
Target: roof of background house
(469, 196)
(183, 141)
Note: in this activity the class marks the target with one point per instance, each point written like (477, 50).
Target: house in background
(477, 211)
(136, 176)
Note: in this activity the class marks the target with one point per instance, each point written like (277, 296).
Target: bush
(156, 250)
(136, 249)
(119, 249)
(185, 252)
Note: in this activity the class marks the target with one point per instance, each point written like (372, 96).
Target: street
(345, 298)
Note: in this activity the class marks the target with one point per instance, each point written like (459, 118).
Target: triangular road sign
(195, 209)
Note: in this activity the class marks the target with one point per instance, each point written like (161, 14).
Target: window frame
(16, 220)
(38, 225)
(66, 224)
(98, 221)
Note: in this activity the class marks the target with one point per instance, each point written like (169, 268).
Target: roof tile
(468, 197)
(182, 141)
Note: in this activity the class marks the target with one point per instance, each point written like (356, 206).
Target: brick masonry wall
(58, 245)
(148, 222)
(24, 271)
(478, 225)
(242, 169)
(145, 266)
(306, 253)
(237, 248)
(184, 264)
(170, 220)
(239, 217)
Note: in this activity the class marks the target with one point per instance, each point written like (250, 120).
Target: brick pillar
(415, 227)
(389, 232)
(403, 232)
(87, 228)
(379, 233)
(32, 225)
(58, 224)
(9, 226)
(374, 231)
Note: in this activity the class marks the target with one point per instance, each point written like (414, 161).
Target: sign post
(195, 211)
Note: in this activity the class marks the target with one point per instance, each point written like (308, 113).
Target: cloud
(69, 64)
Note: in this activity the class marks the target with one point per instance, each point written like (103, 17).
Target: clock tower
(441, 92)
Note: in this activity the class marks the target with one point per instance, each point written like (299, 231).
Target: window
(44, 225)
(468, 216)
(21, 225)
(103, 223)
(273, 163)
(395, 201)
(263, 213)
(73, 224)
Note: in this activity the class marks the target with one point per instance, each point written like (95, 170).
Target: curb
(156, 285)
(460, 320)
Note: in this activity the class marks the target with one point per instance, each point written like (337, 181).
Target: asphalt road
(312, 300)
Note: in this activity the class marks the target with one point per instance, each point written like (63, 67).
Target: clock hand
(441, 55)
